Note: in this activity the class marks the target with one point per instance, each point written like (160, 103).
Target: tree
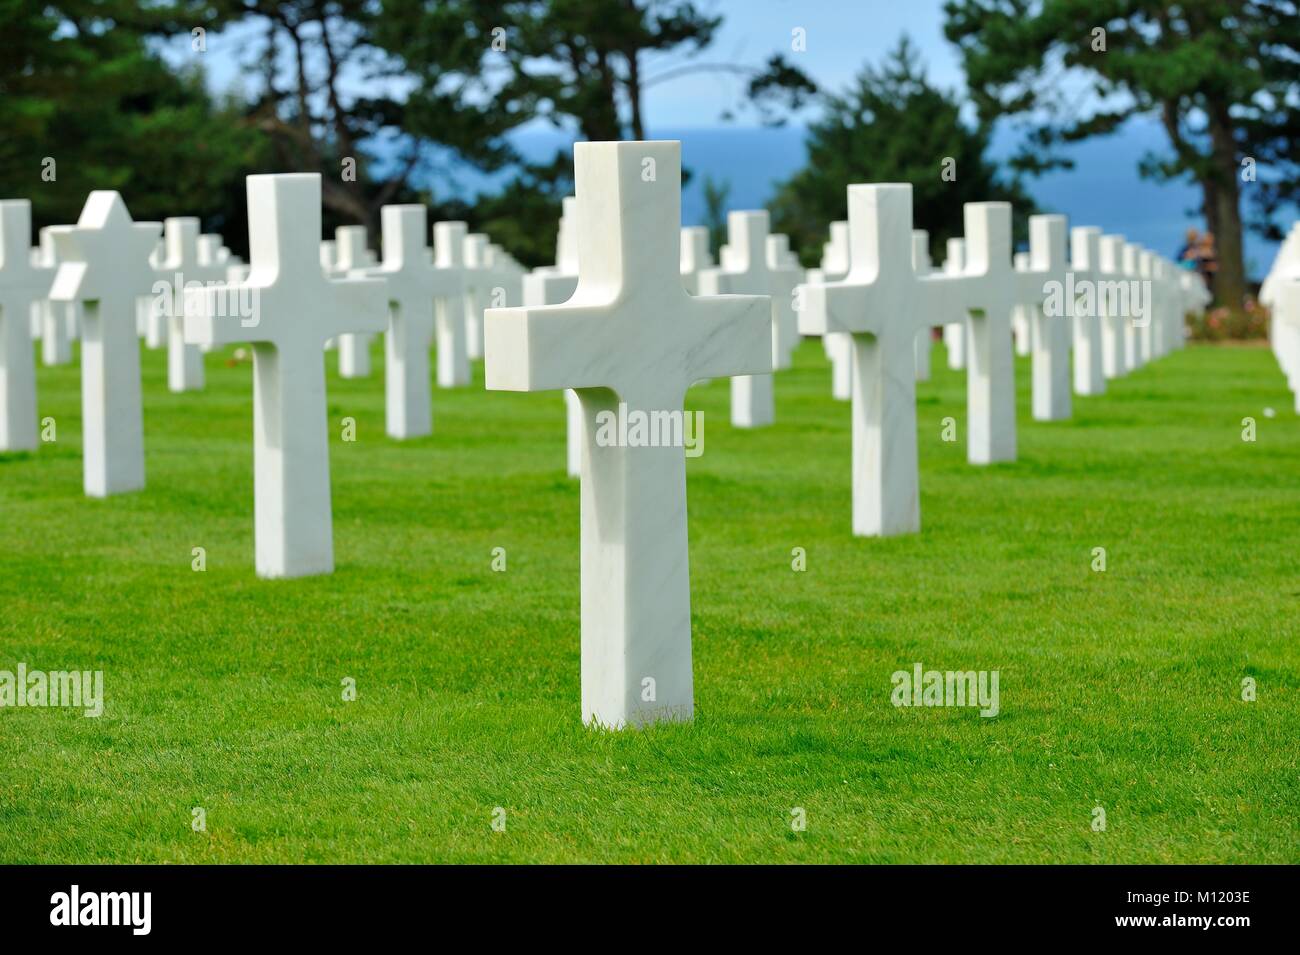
(85, 104)
(334, 94)
(1220, 75)
(582, 65)
(715, 211)
(892, 125)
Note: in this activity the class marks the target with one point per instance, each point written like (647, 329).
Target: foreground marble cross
(744, 270)
(104, 265)
(631, 340)
(295, 308)
(878, 307)
(21, 285)
(1041, 293)
(1085, 254)
(411, 282)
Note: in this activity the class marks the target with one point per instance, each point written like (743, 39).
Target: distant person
(1207, 259)
(1186, 256)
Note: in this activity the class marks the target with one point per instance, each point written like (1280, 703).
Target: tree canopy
(892, 125)
(1221, 76)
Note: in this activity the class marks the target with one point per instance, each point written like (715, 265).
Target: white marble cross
(1285, 295)
(294, 309)
(58, 319)
(1139, 265)
(988, 292)
(954, 335)
(922, 266)
(449, 311)
(784, 276)
(834, 266)
(179, 266)
(555, 285)
(104, 265)
(879, 306)
(632, 340)
(695, 256)
(1085, 254)
(352, 255)
(411, 281)
(478, 291)
(744, 270)
(1021, 330)
(21, 284)
(1110, 263)
(1041, 292)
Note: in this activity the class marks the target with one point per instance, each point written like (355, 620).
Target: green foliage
(575, 64)
(1219, 75)
(715, 211)
(80, 86)
(892, 125)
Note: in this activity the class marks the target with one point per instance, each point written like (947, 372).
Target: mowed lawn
(1120, 690)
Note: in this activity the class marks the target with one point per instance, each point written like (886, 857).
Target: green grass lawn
(1119, 689)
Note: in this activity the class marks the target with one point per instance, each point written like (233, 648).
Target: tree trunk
(1223, 209)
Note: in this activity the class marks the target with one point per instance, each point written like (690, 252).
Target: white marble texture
(784, 276)
(988, 292)
(555, 285)
(954, 335)
(695, 256)
(922, 266)
(1132, 266)
(449, 306)
(1286, 299)
(478, 291)
(179, 266)
(104, 266)
(1021, 330)
(352, 255)
(744, 270)
(630, 334)
(1110, 256)
(1284, 336)
(834, 266)
(296, 308)
(1148, 335)
(22, 284)
(410, 282)
(879, 306)
(1089, 375)
(58, 319)
(1049, 335)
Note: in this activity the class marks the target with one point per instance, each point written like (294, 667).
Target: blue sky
(841, 38)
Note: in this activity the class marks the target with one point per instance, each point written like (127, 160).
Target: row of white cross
(631, 315)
